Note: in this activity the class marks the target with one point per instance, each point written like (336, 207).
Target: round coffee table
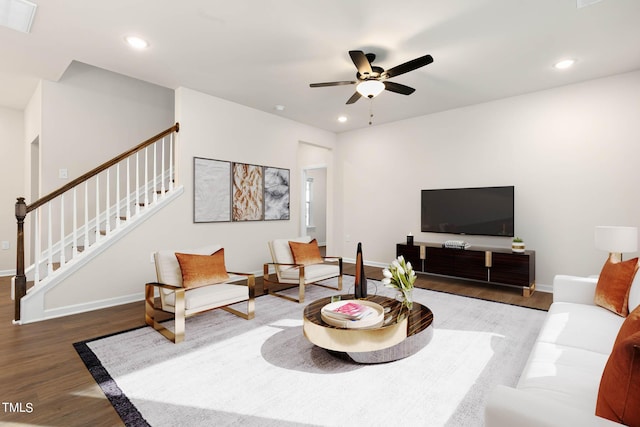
(402, 334)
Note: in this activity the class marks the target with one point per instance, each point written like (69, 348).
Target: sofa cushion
(312, 273)
(612, 290)
(565, 374)
(203, 298)
(588, 327)
(619, 393)
(306, 253)
(167, 267)
(202, 270)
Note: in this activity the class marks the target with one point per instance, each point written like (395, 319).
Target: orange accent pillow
(306, 253)
(630, 326)
(612, 290)
(202, 270)
(619, 393)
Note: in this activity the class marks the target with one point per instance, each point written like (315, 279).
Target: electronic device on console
(456, 244)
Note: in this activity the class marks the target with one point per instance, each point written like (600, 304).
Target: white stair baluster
(36, 250)
(128, 212)
(74, 245)
(49, 241)
(63, 258)
(86, 215)
(155, 173)
(171, 162)
(146, 177)
(107, 205)
(137, 183)
(162, 169)
(97, 208)
(117, 195)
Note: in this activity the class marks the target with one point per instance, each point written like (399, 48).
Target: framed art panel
(276, 193)
(212, 190)
(247, 201)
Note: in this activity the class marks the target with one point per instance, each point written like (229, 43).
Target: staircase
(72, 225)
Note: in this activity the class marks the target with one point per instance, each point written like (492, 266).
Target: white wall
(91, 115)
(210, 128)
(11, 181)
(571, 152)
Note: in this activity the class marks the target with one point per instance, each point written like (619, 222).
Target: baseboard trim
(88, 306)
(5, 273)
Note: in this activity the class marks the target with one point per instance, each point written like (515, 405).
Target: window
(308, 199)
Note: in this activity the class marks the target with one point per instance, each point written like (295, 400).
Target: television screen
(486, 211)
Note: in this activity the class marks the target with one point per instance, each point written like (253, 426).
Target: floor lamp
(616, 240)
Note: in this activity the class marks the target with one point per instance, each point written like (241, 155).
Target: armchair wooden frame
(301, 279)
(180, 315)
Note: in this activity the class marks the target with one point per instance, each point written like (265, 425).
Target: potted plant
(517, 245)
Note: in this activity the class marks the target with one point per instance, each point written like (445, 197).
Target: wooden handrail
(106, 165)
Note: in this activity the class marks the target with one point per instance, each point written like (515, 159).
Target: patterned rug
(263, 372)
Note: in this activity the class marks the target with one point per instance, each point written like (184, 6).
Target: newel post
(21, 279)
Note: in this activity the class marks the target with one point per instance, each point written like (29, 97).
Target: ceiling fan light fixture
(370, 88)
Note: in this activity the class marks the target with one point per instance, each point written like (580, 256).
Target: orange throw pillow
(630, 326)
(306, 253)
(612, 290)
(202, 270)
(619, 393)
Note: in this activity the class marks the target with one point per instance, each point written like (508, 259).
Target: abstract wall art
(212, 190)
(276, 193)
(247, 201)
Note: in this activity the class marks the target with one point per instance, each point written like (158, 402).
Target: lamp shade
(370, 88)
(616, 239)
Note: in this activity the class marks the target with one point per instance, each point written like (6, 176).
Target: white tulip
(409, 268)
(395, 263)
(386, 273)
(401, 258)
(386, 281)
(400, 271)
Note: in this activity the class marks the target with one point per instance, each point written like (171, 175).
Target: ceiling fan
(372, 80)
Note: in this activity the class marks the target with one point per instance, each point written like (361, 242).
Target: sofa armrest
(507, 407)
(580, 290)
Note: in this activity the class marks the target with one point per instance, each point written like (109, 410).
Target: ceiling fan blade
(332, 84)
(361, 62)
(409, 66)
(398, 88)
(354, 98)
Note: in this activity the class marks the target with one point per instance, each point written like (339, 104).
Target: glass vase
(405, 296)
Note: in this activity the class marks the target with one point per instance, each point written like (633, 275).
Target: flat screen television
(486, 211)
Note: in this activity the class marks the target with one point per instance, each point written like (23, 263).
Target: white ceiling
(265, 53)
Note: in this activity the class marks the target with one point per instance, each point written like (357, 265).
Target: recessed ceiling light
(279, 107)
(564, 64)
(342, 119)
(136, 42)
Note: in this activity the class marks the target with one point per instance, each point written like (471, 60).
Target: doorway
(314, 204)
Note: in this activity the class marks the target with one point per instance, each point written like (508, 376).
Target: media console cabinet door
(513, 269)
(410, 254)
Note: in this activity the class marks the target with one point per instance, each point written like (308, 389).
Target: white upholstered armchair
(298, 262)
(193, 281)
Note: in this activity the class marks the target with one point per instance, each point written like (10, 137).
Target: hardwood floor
(40, 367)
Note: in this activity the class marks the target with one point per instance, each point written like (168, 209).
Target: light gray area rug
(263, 372)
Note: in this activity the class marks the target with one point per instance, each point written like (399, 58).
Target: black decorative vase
(360, 284)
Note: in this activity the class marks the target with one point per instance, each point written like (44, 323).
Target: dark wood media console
(490, 265)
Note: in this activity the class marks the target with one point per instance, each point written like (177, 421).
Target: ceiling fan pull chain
(370, 111)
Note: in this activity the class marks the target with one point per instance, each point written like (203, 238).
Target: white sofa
(560, 381)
